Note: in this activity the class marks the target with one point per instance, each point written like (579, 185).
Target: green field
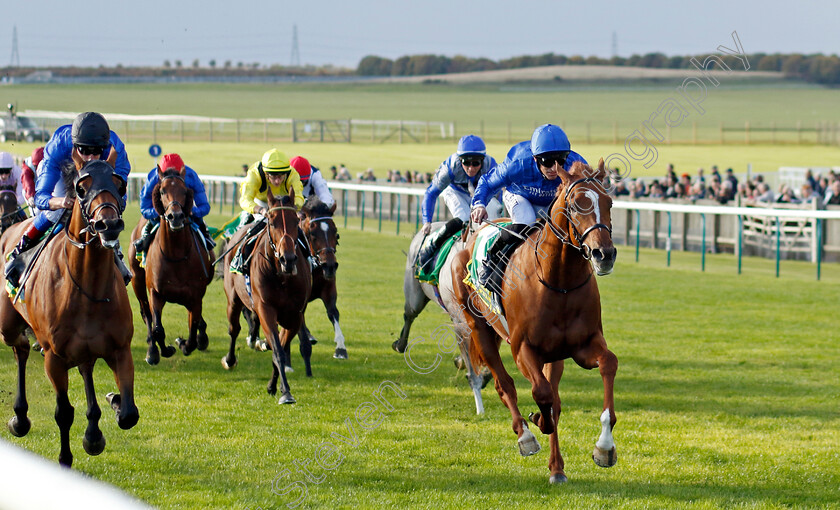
(613, 112)
(726, 397)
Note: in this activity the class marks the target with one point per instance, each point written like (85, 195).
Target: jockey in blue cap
(455, 181)
(529, 175)
(90, 138)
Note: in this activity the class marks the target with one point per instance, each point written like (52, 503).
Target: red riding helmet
(304, 169)
(171, 161)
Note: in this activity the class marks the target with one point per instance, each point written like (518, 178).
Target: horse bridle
(328, 248)
(88, 215)
(580, 238)
(13, 213)
(271, 243)
(173, 202)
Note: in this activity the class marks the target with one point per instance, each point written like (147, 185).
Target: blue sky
(342, 32)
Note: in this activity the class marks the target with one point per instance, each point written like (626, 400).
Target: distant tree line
(817, 68)
(178, 69)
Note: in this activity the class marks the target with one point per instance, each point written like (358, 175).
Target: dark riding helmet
(90, 129)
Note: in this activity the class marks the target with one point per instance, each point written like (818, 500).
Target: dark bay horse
(552, 311)
(323, 239)
(280, 284)
(417, 294)
(10, 211)
(76, 302)
(178, 268)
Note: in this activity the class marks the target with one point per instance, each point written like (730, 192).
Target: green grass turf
(726, 397)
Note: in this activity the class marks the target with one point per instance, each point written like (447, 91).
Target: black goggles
(90, 150)
(549, 159)
(471, 161)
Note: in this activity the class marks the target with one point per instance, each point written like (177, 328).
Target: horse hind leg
(253, 338)
(415, 302)
(19, 424)
(340, 348)
(235, 308)
(305, 350)
(94, 441)
(158, 333)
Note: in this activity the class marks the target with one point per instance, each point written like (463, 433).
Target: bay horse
(417, 294)
(280, 284)
(322, 234)
(76, 303)
(178, 268)
(552, 311)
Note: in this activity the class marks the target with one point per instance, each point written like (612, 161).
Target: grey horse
(417, 294)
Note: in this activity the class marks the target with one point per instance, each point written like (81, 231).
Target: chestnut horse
(552, 311)
(323, 238)
(178, 268)
(76, 302)
(280, 284)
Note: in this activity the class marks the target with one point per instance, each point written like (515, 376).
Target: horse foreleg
(158, 334)
(139, 283)
(123, 402)
(64, 412)
(94, 441)
(330, 299)
(598, 355)
(415, 301)
(268, 319)
(198, 336)
(235, 308)
(531, 366)
(19, 424)
(553, 372)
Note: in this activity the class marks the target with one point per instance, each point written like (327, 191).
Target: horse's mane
(581, 170)
(68, 175)
(316, 207)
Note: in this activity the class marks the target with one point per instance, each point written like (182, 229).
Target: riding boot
(491, 274)
(14, 266)
(435, 241)
(239, 262)
(303, 242)
(124, 270)
(142, 243)
(202, 227)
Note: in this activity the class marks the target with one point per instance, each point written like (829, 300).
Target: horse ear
(332, 208)
(112, 158)
(77, 159)
(292, 194)
(269, 196)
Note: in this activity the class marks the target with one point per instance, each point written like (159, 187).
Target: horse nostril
(597, 254)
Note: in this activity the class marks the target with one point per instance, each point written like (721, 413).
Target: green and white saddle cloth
(485, 238)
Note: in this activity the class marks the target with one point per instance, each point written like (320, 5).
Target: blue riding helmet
(549, 138)
(471, 144)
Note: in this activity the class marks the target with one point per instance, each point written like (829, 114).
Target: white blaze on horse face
(593, 196)
(325, 227)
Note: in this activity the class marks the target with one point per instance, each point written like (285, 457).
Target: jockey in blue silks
(529, 175)
(455, 181)
(200, 206)
(91, 138)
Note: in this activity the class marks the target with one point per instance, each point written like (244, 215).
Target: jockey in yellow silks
(272, 172)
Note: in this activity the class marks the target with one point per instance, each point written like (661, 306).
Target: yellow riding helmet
(275, 161)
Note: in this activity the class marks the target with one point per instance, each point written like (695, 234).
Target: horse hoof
(312, 340)
(272, 390)
(557, 478)
(19, 428)
(459, 363)
(604, 458)
(528, 444)
(287, 398)
(184, 346)
(114, 401)
(340, 353)
(167, 351)
(535, 418)
(153, 357)
(261, 345)
(288, 369)
(397, 347)
(251, 342)
(203, 342)
(486, 377)
(227, 365)
(129, 420)
(94, 448)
